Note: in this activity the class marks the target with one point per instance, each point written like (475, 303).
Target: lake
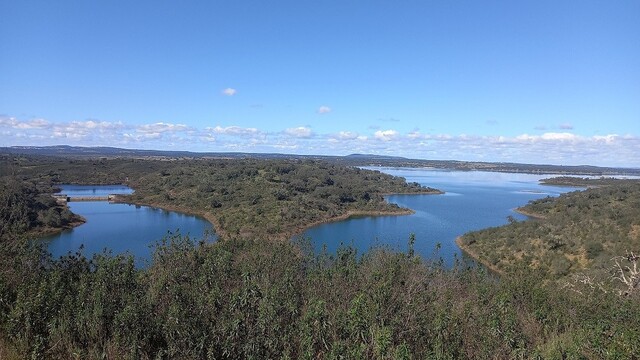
(473, 200)
(121, 228)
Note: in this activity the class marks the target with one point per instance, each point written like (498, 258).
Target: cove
(473, 200)
(122, 228)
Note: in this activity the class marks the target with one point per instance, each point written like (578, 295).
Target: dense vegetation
(248, 297)
(27, 208)
(579, 232)
(580, 182)
(259, 299)
(246, 197)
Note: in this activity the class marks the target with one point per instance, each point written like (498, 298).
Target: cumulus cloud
(29, 124)
(299, 132)
(385, 135)
(345, 135)
(548, 136)
(415, 134)
(229, 91)
(606, 138)
(84, 129)
(324, 110)
(549, 147)
(161, 127)
(234, 130)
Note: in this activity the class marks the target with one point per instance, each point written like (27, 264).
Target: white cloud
(25, 125)
(161, 127)
(209, 138)
(229, 91)
(559, 136)
(89, 129)
(606, 138)
(234, 130)
(345, 135)
(550, 147)
(324, 110)
(299, 132)
(385, 135)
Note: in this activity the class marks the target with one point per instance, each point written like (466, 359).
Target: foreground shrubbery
(257, 299)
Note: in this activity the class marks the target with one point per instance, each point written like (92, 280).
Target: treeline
(581, 182)
(243, 197)
(578, 232)
(259, 299)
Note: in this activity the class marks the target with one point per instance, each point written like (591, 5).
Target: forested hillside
(579, 232)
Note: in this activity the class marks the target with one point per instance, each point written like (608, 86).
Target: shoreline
(348, 215)
(529, 214)
(183, 210)
(285, 235)
(50, 231)
(475, 256)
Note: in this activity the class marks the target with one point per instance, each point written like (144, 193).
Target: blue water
(94, 190)
(473, 200)
(124, 228)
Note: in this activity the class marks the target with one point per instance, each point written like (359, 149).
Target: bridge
(64, 198)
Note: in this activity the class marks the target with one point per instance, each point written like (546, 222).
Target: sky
(545, 82)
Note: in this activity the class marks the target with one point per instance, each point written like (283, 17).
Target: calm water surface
(94, 190)
(473, 200)
(122, 228)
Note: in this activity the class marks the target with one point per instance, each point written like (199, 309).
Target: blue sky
(527, 81)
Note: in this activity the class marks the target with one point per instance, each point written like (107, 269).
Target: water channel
(473, 200)
(121, 228)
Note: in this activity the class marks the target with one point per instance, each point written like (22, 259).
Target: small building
(61, 198)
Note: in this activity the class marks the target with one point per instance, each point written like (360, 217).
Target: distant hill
(352, 160)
